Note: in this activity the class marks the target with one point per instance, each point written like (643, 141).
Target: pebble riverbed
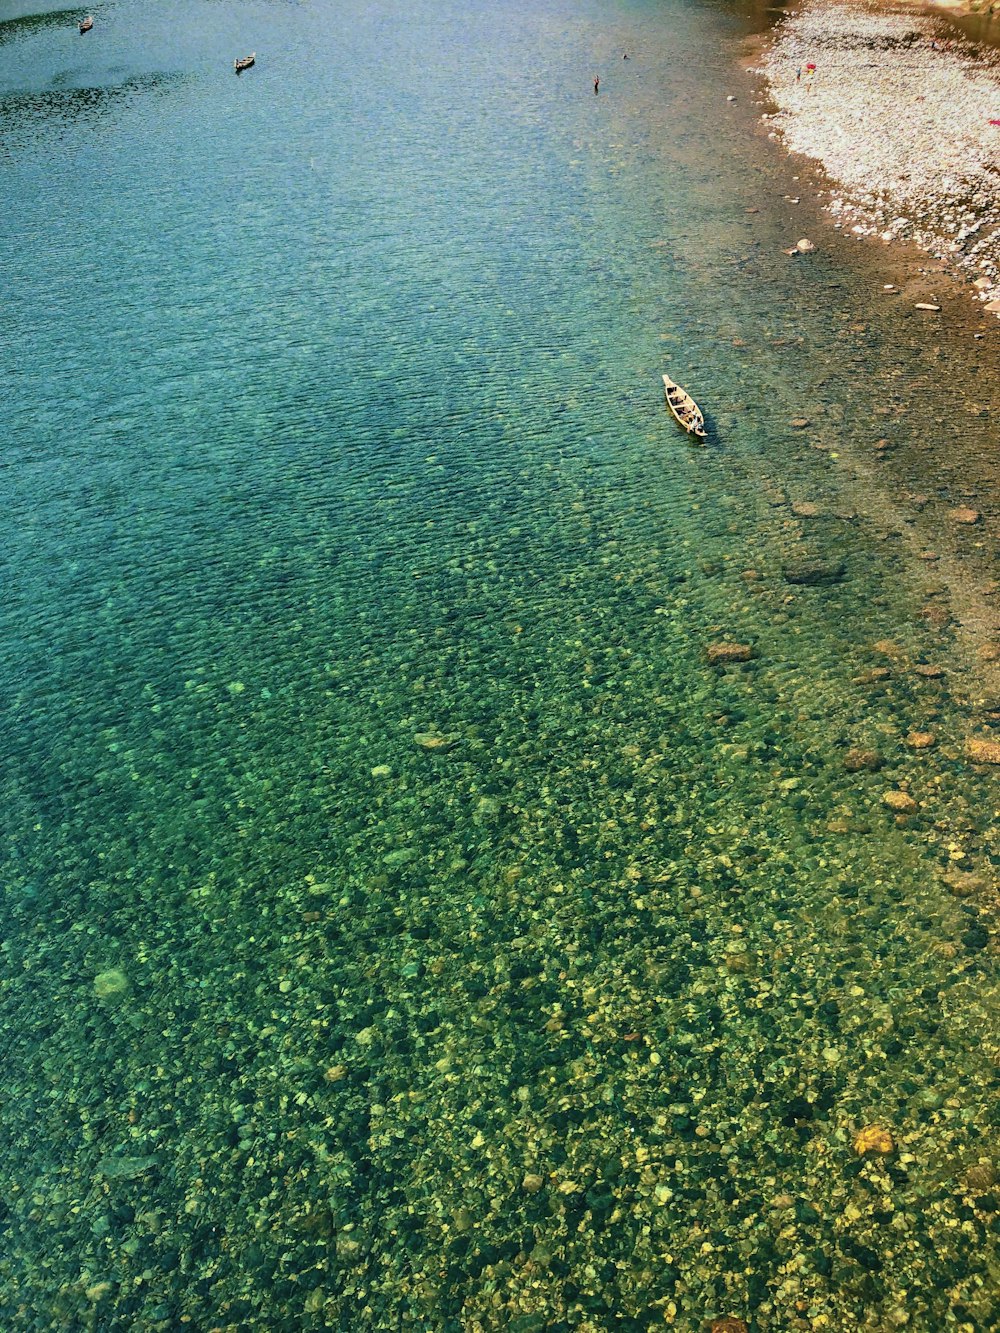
(900, 113)
(472, 862)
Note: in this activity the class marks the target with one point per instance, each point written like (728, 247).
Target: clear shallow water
(405, 924)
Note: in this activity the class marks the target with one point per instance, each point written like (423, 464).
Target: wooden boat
(684, 408)
(86, 24)
(244, 63)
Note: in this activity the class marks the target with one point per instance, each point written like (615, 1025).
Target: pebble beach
(902, 114)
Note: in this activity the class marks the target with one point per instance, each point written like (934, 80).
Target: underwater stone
(965, 883)
(110, 983)
(126, 1168)
(430, 740)
(813, 572)
(856, 759)
(976, 937)
(873, 675)
(920, 740)
(982, 1176)
(528, 1323)
(873, 1139)
(899, 800)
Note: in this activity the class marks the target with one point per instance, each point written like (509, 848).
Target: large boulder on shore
(982, 751)
(727, 651)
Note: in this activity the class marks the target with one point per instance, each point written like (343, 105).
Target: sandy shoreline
(898, 112)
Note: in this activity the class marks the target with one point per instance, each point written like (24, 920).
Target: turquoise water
(407, 924)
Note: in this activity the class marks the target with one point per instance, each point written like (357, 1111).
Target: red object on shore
(810, 67)
(995, 122)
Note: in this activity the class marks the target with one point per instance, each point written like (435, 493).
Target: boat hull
(685, 410)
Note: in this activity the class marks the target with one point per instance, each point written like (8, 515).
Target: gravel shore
(899, 112)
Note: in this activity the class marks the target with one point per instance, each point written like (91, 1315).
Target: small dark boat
(245, 63)
(86, 24)
(684, 408)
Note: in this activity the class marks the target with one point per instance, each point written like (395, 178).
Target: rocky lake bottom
(473, 860)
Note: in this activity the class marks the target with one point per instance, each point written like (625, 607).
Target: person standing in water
(597, 82)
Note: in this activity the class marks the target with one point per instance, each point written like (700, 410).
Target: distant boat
(245, 63)
(86, 24)
(684, 408)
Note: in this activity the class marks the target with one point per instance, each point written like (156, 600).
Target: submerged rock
(113, 1167)
(873, 1140)
(964, 515)
(728, 652)
(982, 1176)
(873, 676)
(976, 937)
(920, 740)
(110, 983)
(963, 883)
(813, 572)
(982, 751)
(900, 801)
(857, 759)
(431, 740)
